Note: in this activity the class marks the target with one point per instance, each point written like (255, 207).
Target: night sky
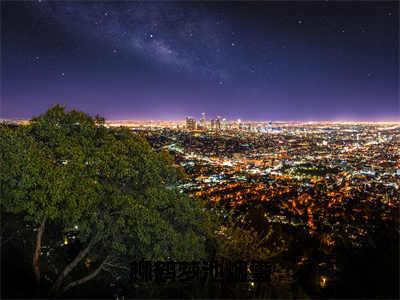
(250, 60)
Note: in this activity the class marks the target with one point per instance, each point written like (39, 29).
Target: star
(151, 35)
(220, 82)
(300, 22)
(62, 74)
(115, 51)
(233, 44)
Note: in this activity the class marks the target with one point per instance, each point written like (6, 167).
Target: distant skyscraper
(203, 121)
(238, 123)
(212, 124)
(223, 124)
(191, 123)
(218, 123)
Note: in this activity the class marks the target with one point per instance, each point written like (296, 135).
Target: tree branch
(36, 253)
(86, 278)
(122, 267)
(68, 268)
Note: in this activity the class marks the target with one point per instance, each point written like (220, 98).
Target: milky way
(165, 60)
(166, 33)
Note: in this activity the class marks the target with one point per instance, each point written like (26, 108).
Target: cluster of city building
(219, 124)
(334, 179)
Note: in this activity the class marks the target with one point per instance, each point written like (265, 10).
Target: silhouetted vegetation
(84, 200)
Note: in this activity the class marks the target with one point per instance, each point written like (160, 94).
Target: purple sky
(250, 60)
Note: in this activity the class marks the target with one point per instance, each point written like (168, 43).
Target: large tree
(105, 188)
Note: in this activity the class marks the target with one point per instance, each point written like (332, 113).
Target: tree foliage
(106, 186)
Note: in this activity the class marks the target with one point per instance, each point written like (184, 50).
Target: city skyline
(258, 61)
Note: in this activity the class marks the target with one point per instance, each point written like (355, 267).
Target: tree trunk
(36, 253)
(68, 268)
(86, 278)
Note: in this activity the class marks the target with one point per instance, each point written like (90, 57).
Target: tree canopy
(107, 186)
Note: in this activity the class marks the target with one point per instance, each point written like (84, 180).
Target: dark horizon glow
(305, 61)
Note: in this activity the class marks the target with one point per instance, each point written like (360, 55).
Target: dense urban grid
(337, 182)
